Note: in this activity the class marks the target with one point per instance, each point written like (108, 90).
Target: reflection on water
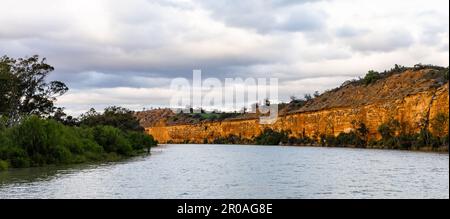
(233, 171)
(30, 175)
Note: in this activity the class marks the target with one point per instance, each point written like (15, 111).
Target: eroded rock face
(410, 98)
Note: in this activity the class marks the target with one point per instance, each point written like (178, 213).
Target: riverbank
(423, 141)
(443, 149)
(37, 142)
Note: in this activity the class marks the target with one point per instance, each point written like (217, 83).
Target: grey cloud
(89, 80)
(435, 34)
(434, 28)
(304, 20)
(283, 3)
(347, 31)
(444, 47)
(72, 58)
(147, 38)
(286, 15)
(385, 41)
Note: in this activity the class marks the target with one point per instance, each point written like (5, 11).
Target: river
(237, 171)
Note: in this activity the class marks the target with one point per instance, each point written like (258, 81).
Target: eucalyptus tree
(24, 89)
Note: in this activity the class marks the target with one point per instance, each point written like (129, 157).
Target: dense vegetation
(39, 142)
(393, 136)
(33, 132)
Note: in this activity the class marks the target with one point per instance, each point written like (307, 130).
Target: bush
(348, 139)
(445, 140)
(112, 140)
(140, 141)
(387, 130)
(445, 74)
(388, 133)
(118, 117)
(329, 140)
(440, 124)
(39, 142)
(3, 165)
(9, 151)
(42, 140)
(371, 77)
(393, 137)
(230, 139)
(271, 137)
(372, 143)
(426, 138)
(406, 141)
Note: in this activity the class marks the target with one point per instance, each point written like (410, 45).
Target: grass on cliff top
(200, 117)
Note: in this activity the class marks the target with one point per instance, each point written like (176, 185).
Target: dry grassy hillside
(391, 87)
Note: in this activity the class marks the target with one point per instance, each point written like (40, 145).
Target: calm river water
(234, 171)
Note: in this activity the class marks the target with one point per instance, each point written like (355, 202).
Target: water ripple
(233, 171)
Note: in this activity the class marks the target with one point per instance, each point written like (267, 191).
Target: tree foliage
(371, 77)
(115, 116)
(24, 89)
(308, 97)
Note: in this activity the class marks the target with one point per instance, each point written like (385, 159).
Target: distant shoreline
(440, 150)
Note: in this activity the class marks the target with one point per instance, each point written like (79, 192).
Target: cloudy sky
(115, 52)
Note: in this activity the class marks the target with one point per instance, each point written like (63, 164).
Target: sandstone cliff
(412, 97)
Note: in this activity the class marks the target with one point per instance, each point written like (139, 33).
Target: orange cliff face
(408, 97)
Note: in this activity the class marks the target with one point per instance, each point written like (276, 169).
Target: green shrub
(329, 140)
(8, 151)
(423, 138)
(271, 137)
(393, 136)
(406, 141)
(371, 77)
(140, 141)
(385, 131)
(302, 140)
(114, 116)
(230, 139)
(3, 165)
(349, 139)
(440, 124)
(112, 140)
(39, 142)
(445, 140)
(373, 143)
(388, 133)
(17, 157)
